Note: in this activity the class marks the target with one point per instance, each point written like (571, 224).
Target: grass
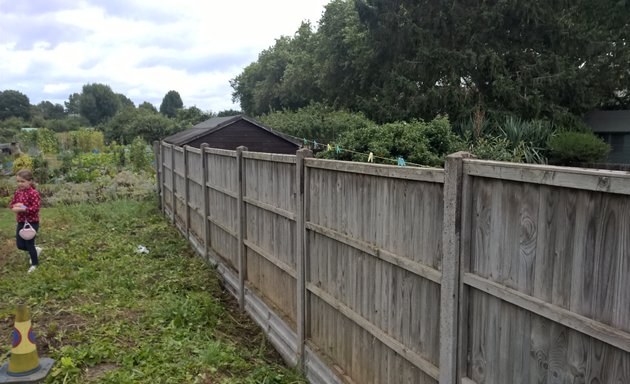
(107, 314)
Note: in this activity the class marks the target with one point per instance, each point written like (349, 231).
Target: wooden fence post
(157, 155)
(449, 300)
(186, 197)
(300, 251)
(242, 251)
(174, 198)
(206, 208)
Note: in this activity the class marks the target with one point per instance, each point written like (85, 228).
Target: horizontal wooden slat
(220, 152)
(268, 207)
(223, 227)
(466, 380)
(178, 149)
(404, 263)
(273, 260)
(222, 190)
(590, 327)
(273, 157)
(432, 175)
(579, 178)
(192, 149)
(409, 355)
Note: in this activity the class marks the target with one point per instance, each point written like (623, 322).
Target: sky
(49, 49)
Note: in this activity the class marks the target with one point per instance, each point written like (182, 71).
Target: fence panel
(548, 275)
(222, 182)
(167, 178)
(195, 194)
(373, 258)
(270, 237)
(538, 277)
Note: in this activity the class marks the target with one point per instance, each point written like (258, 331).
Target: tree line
(98, 106)
(410, 59)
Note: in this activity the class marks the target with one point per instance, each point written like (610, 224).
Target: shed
(234, 131)
(614, 128)
(10, 148)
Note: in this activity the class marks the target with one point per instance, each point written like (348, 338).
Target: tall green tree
(98, 103)
(73, 104)
(283, 77)
(48, 110)
(14, 104)
(534, 59)
(148, 106)
(171, 102)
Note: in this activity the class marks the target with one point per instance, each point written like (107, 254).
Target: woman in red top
(25, 204)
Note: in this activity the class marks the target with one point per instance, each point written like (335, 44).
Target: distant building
(614, 128)
(10, 148)
(233, 131)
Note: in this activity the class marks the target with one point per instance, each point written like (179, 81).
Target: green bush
(22, 162)
(139, 155)
(315, 122)
(568, 148)
(41, 170)
(417, 142)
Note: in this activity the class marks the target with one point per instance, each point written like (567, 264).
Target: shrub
(139, 155)
(41, 171)
(417, 142)
(568, 148)
(22, 162)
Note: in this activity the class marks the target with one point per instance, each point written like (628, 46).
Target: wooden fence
(483, 272)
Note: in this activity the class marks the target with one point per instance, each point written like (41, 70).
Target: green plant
(139, 154)
(41, 170)
(46, 140)
(23, 161)
(567, 148)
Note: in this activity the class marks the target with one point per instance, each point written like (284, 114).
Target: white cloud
(141, 48)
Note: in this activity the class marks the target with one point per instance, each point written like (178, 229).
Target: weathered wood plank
(412, 357)
(584, 179)
(417, 268)
(270, 208)
(553, 312)
(432, 175)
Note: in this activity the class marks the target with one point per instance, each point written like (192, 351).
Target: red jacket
(30, 198)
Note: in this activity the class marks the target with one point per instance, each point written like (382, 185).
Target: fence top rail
(273, 157)
(432, 175)
(579, 178)
(178, 149)
(192, 149)
(220, 152)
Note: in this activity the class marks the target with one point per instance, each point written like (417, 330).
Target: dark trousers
(27, 245)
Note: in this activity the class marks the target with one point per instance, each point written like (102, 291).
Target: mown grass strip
(108, 314)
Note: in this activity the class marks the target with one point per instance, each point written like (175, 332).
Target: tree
(283, 76)
(133, 122)
(171, 103)
(48, 110)
(148, 106)
(14, 104)
(187, 117)
(125, 101)
(73, 104)
(98, 103)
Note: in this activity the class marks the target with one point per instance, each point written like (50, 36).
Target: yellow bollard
(24, 359)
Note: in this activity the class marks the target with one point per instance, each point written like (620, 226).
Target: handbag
(27, 232)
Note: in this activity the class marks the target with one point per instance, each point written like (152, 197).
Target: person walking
(25, 204)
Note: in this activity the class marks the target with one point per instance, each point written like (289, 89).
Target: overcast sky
(141, 48)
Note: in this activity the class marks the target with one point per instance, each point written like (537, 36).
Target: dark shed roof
(233, 131)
